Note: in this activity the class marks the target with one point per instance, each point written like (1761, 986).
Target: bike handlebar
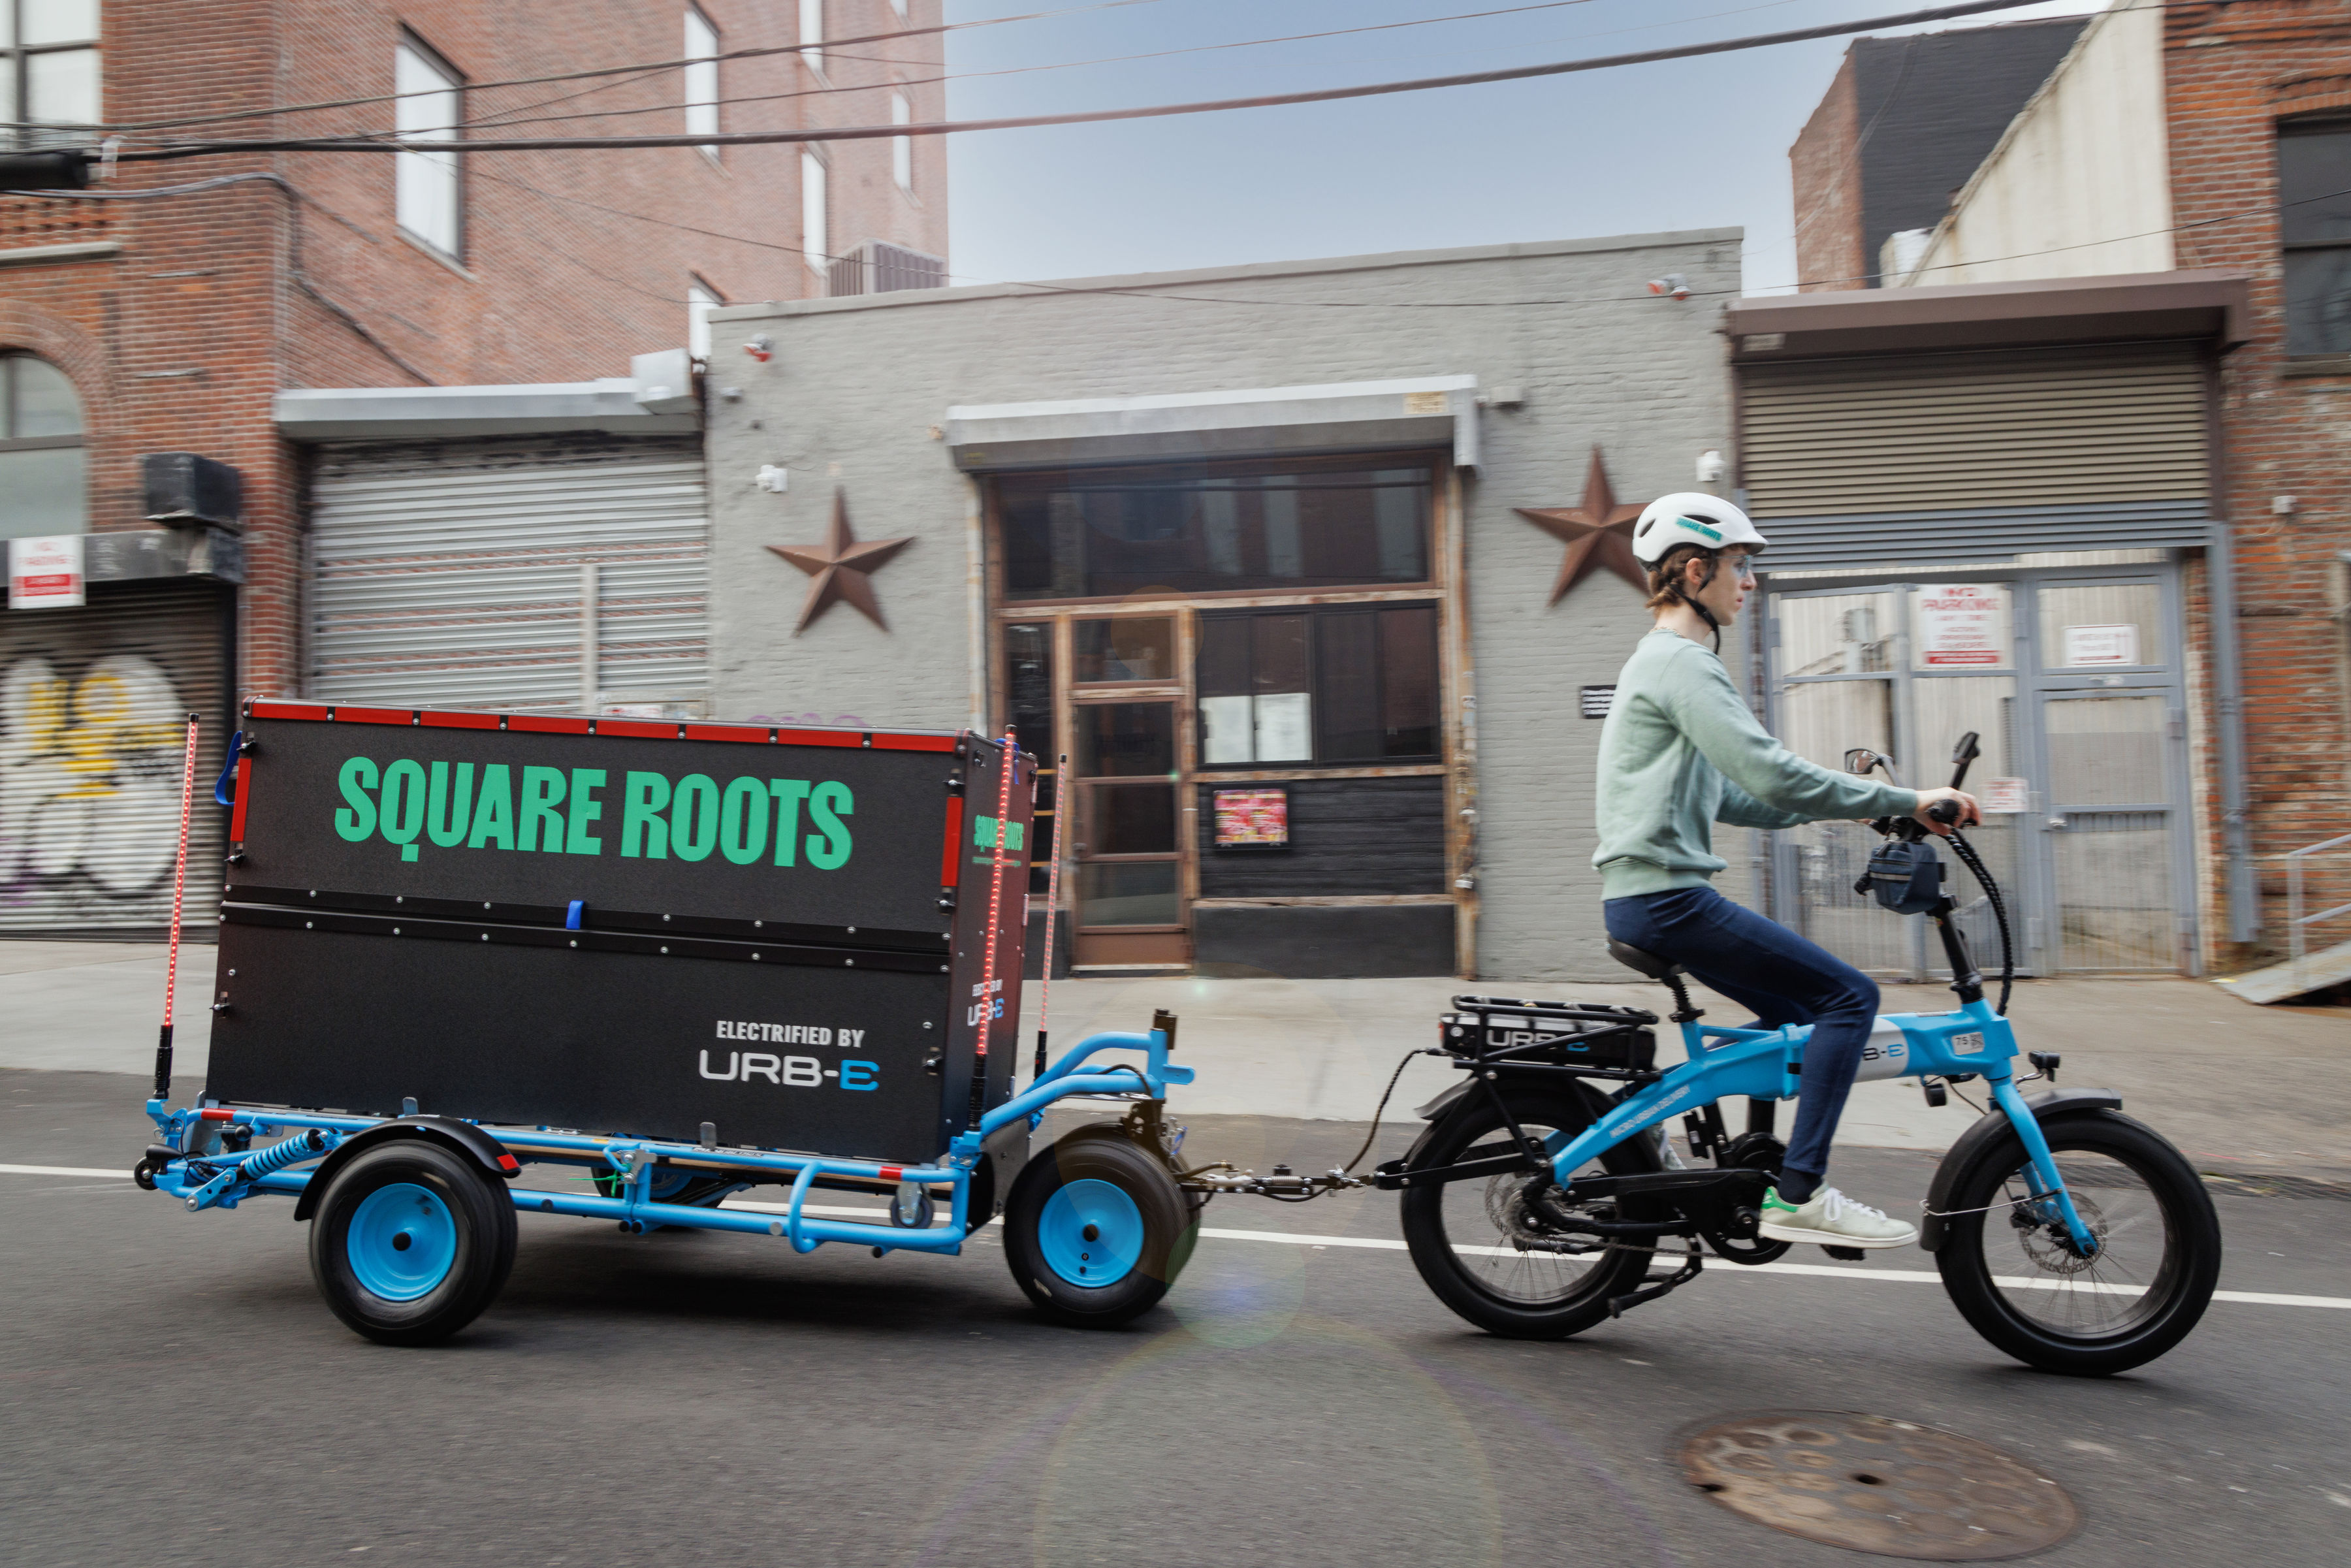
(1945, 812)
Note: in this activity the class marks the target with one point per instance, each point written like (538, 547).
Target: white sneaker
(1833, 1220)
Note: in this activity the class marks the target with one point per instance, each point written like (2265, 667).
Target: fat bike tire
(1538, 1295)
(1096, 1230)
(411, 1243)
(2083, 1318)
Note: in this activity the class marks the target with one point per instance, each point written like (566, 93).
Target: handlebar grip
(1945, 812)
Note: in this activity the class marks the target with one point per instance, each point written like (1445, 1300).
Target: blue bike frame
(1767, 1064)
(226, 1178)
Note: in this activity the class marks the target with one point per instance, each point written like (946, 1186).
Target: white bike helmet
(1692, 517)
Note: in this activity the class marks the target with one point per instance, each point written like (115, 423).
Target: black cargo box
(620, 926)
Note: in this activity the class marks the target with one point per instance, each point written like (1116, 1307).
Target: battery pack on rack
(1567, 1034)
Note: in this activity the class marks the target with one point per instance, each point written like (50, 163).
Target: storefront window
(43, 473)
(1348, 683)
(1129, 649)
(1113, 532)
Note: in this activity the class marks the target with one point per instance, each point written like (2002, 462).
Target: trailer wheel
(411, 1243)
(1096, 1230)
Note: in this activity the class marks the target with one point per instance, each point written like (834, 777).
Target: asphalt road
(176, 1393)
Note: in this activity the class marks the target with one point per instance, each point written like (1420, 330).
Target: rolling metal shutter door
(1974, 432)
(449, 575)
(93, 712)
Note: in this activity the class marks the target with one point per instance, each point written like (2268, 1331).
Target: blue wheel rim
(401, 1241)
(1115, 1245)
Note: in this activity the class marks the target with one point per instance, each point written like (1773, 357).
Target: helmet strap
(1713, 565)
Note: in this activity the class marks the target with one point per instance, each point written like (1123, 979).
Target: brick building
(152, 318)
(1903, 123)
(2176, 154)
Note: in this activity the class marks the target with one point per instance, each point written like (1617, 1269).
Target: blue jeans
(1761, 965)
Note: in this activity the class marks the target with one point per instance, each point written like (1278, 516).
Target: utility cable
(1090, 117)
(821, 46)
(504, 117)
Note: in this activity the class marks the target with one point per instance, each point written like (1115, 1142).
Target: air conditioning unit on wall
(877, 266)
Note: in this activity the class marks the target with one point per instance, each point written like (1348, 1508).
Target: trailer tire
(411, 1242)
(1096, 1204)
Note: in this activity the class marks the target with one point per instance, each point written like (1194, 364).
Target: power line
(1152, 112)
(820, 46)
(504, 118)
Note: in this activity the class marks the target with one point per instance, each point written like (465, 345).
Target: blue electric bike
(2070, 1236)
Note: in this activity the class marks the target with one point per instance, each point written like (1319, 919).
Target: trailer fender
(1992, 1125)
(462, 1137)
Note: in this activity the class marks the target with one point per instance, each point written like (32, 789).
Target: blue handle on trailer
(228, 770)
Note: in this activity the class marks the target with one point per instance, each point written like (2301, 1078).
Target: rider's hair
(1665, 574)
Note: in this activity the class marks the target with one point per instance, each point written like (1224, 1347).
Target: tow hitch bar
(1282, 1184)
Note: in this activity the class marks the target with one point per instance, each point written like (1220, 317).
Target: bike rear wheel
(2020, 1284)
(1464, 1234)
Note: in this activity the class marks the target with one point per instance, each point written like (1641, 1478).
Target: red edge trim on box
(244, 793)
(372, 715)
(759, 733)
(548, 723)
(948, 869)
(261, 707)
(461, 721)
(913, 742)
(818, 738)
(637, 728)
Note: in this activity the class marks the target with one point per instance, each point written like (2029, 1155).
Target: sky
(1680, 144)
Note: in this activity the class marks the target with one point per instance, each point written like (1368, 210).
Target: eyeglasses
(1744, 567)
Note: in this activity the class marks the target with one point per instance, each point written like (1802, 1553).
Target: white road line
(1382, 1244)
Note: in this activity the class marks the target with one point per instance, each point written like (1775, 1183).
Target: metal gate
(524, 573)
(2070, 677)
(93, 708)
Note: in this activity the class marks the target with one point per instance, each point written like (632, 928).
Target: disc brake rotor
(2045, 1240)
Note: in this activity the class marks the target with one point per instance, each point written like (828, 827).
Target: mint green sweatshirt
(1680, 752)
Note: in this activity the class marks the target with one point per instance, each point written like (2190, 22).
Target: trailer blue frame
(205, 1175)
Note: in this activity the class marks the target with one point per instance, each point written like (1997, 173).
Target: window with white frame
(427, 195)
(812, 33)
(902, 147)
(816, 243)
(51, 58)
(701, 77)
(701, 299)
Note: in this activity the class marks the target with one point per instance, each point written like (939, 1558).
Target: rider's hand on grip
(1939, 810)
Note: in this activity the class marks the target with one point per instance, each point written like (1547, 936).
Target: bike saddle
(1649, 964)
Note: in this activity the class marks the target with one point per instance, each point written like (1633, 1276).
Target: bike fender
(1443, 1103)
(1994, 1123)
(462, 1137)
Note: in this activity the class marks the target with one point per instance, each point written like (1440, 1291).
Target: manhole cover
(1894, 1488)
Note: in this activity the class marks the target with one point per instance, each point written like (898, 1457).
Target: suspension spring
(301, 1147)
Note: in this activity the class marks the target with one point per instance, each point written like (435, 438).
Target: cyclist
(1681, 751)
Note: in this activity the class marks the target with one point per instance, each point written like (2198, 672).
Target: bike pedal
(1844, 1254)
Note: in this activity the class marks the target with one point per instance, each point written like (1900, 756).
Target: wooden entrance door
(1126, 784)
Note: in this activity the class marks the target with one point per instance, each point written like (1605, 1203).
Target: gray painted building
(1246, 542)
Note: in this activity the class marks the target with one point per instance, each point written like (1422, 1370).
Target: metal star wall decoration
(839, 567)
(1597, 533)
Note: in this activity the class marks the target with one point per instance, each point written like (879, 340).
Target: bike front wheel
(2014, 1274)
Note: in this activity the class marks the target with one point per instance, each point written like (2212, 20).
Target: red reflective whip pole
(1052, 906)
(1009, 762)
(179, 896)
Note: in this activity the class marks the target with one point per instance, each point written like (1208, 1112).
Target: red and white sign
(1962, 624)
(2005, 797)
(2101, 645)
(44, 573)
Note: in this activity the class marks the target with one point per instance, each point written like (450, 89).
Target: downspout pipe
(2229, 697)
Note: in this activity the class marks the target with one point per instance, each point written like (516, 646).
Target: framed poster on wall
(1252, 819)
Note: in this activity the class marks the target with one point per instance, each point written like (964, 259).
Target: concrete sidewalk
(2234, 1085)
